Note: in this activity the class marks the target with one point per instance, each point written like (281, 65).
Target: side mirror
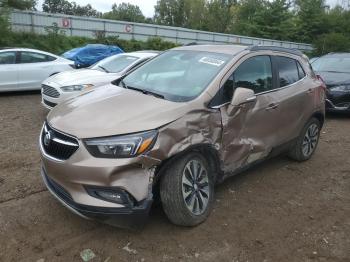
(242, 96)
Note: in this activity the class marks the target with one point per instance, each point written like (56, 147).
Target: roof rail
(275, 48)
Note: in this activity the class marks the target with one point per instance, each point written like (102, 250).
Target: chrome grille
(56, 144)
(50, 91)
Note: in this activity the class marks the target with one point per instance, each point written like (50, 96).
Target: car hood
(335, 78)
(82, 76)
(111, 110)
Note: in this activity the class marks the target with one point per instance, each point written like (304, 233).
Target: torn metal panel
(202, 126)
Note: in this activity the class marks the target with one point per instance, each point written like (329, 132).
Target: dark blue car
(90, 54)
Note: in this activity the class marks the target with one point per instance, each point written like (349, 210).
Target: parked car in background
(90, 54)
(334, 68)
(63, 86)
(25, 69)
(181, 123)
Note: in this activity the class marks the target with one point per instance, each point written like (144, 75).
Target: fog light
(111, 196)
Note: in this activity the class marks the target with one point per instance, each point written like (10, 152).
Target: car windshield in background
(115, 64)
(332, 64)
(177, 75)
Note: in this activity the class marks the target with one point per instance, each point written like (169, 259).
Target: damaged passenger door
(249, 123)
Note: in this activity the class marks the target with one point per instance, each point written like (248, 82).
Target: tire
(175, 188)
(308, 138)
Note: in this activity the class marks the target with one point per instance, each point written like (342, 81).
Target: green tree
(58, 7)
(169, 12)
(69, 8)
(331, 42)
(246, 16)
(22, 4)
(181, 13)
(219, 15)
(125, 12)
(194, 14)
(4, 23)
(310, 19)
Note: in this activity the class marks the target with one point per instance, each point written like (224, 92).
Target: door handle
(271, 106)
(310, 91)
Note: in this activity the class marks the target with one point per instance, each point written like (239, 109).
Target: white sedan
(65, 85)
(24, 69)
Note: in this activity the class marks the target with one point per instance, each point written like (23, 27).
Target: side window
(7, 58)
(31, 57)
(288, 71)
(50, 58)
(300, 71)
(255, 73)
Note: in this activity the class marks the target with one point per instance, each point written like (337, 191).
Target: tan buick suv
(177, 126)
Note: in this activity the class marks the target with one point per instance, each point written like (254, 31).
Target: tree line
(308, 21)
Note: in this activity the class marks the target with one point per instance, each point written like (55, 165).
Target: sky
(146, 6)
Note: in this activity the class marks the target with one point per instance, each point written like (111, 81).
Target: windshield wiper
(146, 92)
(104, 69)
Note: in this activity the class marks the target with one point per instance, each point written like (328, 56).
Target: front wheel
(307, 142)
(187, 190)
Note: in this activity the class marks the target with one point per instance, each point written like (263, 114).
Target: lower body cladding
(118, 194)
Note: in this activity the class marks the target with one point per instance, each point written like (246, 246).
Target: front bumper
(338, 101)
(71, 180)
(342, 107)
(128, 216)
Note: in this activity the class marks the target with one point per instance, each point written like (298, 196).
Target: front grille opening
(50, 91)
(58, 145)
(50, 104)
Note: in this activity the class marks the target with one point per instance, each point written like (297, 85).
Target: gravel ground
(278, 211)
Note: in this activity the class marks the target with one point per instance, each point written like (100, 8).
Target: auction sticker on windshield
(211, 61)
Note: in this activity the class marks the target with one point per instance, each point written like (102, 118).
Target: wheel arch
(208, 151)
(319, 116)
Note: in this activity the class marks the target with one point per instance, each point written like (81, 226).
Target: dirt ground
(278, 211)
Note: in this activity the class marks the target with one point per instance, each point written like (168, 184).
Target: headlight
(123, 146)
(74, 88)
(343, 88)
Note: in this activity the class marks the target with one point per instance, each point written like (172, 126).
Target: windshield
(332, 64)
(115, 64)
(178, 75)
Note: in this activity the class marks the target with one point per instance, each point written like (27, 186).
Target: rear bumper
(128, 217)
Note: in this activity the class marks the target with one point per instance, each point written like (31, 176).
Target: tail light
(322, 81)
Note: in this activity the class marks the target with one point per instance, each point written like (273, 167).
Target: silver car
(24, 69)
(63, 86)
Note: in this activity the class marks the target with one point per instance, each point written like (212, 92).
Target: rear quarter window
(32, 57)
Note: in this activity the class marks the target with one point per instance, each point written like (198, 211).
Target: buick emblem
(47, 138)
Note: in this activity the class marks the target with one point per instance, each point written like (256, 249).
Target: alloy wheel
(195, 187)
(310, 140)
